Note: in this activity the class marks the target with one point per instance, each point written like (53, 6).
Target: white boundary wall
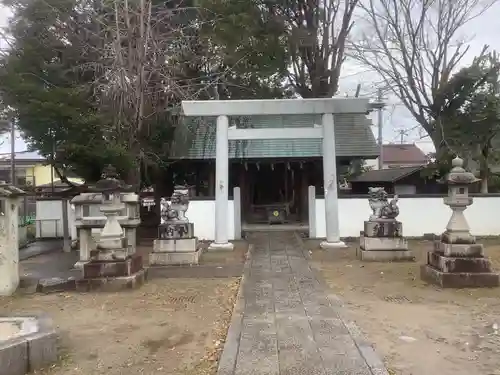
(418, 215)
(49, 219)
(201, 213)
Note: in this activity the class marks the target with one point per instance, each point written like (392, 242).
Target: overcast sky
(483, 30)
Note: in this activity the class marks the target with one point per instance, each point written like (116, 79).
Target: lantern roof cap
(458, 175)
(110, 182)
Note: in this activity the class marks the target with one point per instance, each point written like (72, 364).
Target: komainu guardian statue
(380, 205)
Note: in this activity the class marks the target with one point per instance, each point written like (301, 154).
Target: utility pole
(402, 136)
(53, 161)
(380, 130)
(12, 152)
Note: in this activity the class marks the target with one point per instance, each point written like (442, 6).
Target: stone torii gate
(326, 107)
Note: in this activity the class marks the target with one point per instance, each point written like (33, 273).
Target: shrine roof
(353, 137)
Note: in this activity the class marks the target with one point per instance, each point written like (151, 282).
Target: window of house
(5, 175)
(25, 177)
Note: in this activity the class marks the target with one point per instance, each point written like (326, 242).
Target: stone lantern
(113, 263)
(9, 238)
(457, 261)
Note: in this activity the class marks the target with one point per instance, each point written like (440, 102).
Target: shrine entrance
(326, 107)
(271, 194)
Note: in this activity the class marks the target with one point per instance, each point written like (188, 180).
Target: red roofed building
(402, 155)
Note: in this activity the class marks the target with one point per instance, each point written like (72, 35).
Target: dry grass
(169, 326)
(450, 331)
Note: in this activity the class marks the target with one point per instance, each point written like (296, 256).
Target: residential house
(31, 169)
(397, 180)
(401, 155)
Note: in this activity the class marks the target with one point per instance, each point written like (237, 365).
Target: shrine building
(271, 173)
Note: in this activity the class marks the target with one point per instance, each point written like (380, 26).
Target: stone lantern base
(382, 241)
(107, 274)
(175, 245)
(458, 266)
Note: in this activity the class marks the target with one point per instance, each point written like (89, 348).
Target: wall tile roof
(387, 175)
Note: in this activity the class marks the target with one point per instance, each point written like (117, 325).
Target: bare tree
(415, 46)
(317, 33)
(147, 53)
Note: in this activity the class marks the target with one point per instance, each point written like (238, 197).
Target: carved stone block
(175, 230)
(436, 276)
(111, 284)
(459, 250)
(182, 245)
(385, 255)
(458, 264)
(384, 249)
(110, 254)
(383, 243)
(174, 259)
(383, 228)
(116, 268)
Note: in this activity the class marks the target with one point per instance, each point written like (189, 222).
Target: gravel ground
(168, 326)
(419, 329)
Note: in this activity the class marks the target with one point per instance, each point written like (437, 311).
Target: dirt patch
(166, 327)
(418, 328)
(224, 257)
(210, 258)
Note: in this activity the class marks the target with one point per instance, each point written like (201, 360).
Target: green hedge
(26, 220)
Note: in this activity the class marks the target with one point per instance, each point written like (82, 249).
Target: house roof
(59, 184)
(402, 154)
(387, 175)
(26, 156)
(354, 138)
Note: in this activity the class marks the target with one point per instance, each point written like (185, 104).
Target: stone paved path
(40, 247)
(285, 324)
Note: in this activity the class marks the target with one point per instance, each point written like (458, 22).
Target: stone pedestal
(112, 275)
(458, 266)
(214, 246)
(325, 245)
(457, 261)
(382, 241)
(111, 269)
(175, 245)
(113, 265)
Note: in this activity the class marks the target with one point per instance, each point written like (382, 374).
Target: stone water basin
(26, 344)
(14, 327)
